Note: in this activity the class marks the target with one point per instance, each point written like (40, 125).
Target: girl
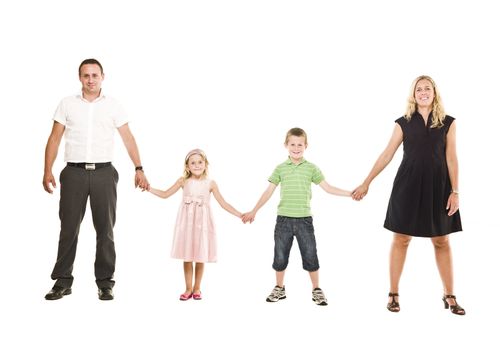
(194, 237)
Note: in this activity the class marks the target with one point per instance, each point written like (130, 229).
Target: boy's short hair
(296, 132)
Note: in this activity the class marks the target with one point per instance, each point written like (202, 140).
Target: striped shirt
(295, 179)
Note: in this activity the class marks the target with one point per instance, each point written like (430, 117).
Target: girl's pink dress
(194, 236)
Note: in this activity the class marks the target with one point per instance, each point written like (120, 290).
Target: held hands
(248, 217)
(141, 181)
(359, 193)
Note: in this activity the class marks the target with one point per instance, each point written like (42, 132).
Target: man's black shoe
(57, 292)
(106, 294)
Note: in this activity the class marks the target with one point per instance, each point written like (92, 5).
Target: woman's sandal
(456, 309)
(393, 305)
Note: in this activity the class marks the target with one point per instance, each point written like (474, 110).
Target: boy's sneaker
(277, 293)
(319, 297)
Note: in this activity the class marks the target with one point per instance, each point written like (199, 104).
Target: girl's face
(424, 93)
(196, 165)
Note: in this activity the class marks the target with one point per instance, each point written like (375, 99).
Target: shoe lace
(275, 293)
(318, 295)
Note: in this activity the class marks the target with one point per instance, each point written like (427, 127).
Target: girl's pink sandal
(186, 296)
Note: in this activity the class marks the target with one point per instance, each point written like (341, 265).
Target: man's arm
(133, 152)
(51, 155)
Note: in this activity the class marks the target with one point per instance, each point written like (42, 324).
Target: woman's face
(424, 93)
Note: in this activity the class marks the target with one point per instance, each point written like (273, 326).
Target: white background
(232, 77)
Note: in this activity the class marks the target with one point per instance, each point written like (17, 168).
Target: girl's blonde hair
(187, 174)
(438, 113)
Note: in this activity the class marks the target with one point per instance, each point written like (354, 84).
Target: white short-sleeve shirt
(89, 127)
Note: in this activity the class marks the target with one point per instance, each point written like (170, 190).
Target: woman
(424, 199)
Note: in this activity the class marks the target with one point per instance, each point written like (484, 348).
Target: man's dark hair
(89, 61)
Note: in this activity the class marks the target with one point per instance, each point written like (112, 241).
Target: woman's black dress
(417, 206)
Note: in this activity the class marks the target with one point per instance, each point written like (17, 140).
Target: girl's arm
(382, 161)
(334, 190)
(452, 162)
(228, 207)
(167, 193)
(250, 216)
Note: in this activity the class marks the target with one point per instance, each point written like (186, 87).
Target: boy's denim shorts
(303, 229)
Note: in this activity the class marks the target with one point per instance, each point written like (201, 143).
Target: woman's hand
(452, 204)
(359, 192)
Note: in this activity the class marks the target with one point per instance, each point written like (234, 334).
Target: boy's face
(296, 146)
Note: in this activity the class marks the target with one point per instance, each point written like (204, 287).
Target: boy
(294, 213)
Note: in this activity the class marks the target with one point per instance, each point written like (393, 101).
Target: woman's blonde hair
(438, 113)
(187, 174)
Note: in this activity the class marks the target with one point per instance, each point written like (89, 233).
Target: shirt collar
(289, 161)
(101, 96)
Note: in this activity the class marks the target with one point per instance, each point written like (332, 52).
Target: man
(88, 121)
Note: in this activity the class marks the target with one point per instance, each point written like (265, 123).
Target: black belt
(90, 166)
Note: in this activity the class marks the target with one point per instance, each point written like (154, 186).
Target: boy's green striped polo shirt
(295, 180)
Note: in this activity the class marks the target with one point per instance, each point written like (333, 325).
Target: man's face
(91, 79)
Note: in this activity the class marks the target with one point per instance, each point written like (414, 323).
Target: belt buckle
(90, 166)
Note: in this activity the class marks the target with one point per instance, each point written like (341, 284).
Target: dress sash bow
(193, 199)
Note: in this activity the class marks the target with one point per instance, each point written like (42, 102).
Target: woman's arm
(382, 161)
(452, 162)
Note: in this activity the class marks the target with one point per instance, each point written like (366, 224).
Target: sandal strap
(393, 304)
(450, 296)
(393, 294)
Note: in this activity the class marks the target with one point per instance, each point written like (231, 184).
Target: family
(424, 201)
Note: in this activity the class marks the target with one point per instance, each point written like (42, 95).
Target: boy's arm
(250, 216)
(381, 162)
(334, 190)
(167, 193)
(228, 207)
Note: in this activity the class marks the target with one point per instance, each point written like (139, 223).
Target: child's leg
(307, 245)
(280, 278)
(314, 278)
(283, 240)
(188, 276)
(198, 275)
